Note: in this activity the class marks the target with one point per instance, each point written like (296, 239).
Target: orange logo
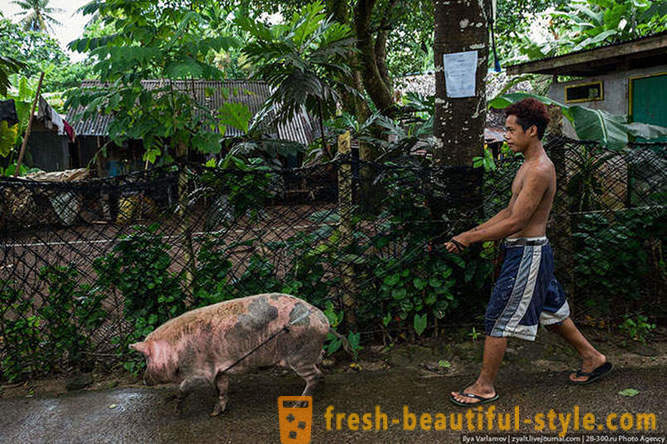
(296, 417)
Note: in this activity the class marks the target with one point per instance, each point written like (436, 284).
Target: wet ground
(405, 376)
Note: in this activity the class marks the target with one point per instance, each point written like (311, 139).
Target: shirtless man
(526, 292)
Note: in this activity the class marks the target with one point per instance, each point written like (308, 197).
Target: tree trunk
(381, 46)
(374, 84)
(459, 122)
(340, 11)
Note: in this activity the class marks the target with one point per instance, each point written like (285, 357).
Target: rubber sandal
(481, 399)
(593, 376)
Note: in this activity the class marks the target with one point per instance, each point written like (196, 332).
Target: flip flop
(481, 399)
(593, 376)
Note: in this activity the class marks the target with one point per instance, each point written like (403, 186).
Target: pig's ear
(141, 347)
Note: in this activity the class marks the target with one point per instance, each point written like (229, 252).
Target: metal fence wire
(90, 266)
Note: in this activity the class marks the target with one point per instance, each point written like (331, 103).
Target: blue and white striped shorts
(526, 292)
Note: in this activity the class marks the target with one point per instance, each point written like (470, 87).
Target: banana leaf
(613, 131)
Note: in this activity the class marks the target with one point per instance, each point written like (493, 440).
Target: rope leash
(282, 330)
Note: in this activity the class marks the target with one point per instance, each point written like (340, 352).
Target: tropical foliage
(174, 42)
(592, 124)
(303, 60)
(557, 27)
(22, 93)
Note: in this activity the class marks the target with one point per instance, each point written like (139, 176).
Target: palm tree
(37, 15)
(302, 60)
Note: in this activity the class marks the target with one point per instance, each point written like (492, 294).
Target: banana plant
(589, 23)
(22, 94)
(612, 131)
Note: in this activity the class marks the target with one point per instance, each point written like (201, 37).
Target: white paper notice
(460, 71)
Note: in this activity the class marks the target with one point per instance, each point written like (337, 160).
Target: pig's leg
(183, 391)
(311, 374)
(222, 384)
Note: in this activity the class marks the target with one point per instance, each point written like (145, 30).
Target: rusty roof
(208, 93)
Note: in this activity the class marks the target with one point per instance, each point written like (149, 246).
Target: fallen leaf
(444, 364)
(630, 392)
(113, 406)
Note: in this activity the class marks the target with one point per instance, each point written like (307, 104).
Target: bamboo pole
(27, 131)
(345, 207)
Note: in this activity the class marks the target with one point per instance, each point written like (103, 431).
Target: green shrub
(138, 268)
(638, 328)
(613, 266)
(71, 313)
(21, 335)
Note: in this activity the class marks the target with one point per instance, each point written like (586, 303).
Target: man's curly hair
(530, 112)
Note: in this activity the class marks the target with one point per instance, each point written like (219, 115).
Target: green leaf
(398, 293)
(386, 319)
(444, 364)
(188, 67)
(591, 124)
(392, 279)
(236, 115)
(406, 305)
(334, 343)
(419, 323)
(595, 124)
(434, 282)
(419, 283)
(629, 392)
(457, 260)
(355, 340)
(645, 130)
(8, 135)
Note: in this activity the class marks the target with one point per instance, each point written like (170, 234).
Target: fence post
(560, 214)
(186, 228)
(345, 207)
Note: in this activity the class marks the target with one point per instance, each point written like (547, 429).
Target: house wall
(48, 151)
(615, 87)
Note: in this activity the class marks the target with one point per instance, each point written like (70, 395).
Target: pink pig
(202, 344)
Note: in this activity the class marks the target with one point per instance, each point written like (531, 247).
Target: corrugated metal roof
(208, 93)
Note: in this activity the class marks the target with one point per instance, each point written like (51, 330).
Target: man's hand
(456, 244)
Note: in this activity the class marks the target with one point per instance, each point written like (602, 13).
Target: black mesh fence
(91, 266)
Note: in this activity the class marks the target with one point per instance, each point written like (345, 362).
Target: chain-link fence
(91, 266)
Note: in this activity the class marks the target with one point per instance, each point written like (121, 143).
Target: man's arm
(502, 214)
(530, 196)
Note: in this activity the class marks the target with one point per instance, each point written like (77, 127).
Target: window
(584, 92)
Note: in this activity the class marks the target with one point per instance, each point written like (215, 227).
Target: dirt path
(138, 414)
